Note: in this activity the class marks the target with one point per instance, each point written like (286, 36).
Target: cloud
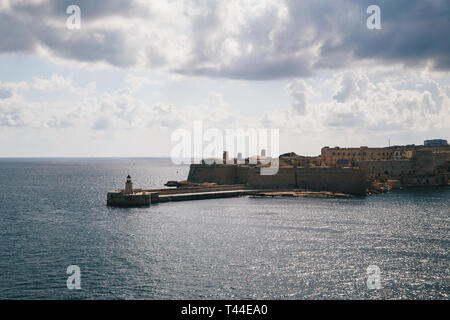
(134, 83)
(368, 101)
(351, 84)
(364, 99)
(408, 36)
(299, 92)
(377, 103)
(15, 112)
(238, 39)
(122, 110)
(5, 93)
(52, 84)
(63, 105)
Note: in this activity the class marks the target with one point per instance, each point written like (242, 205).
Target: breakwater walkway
(139, 197)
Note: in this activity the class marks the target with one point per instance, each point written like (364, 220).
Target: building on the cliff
(428, 166)
(293, 159)
(348, 170)
(349, 156)
(435, 143)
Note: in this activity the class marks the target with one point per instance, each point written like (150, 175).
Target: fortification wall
(285, 178)
(393, 168)
(241, 174)
(346, 180)
(220, 174)
(440, 158)
(424, 162)
(419, 181)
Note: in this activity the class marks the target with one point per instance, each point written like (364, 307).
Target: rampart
(392, 168)
(346, 180)
(285, 178)
(218, 173)
(425, 180)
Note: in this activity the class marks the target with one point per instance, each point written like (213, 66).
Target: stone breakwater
(139, 197)
(118, 198)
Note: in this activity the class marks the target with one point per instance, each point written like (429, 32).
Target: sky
(137, 71)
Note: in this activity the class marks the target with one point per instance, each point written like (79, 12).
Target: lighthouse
(128, 186)
(128, 197)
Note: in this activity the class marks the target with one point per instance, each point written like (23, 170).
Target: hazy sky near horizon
(137, 70)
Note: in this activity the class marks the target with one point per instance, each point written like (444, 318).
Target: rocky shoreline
(301, 193)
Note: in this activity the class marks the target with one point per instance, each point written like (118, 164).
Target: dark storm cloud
(15, 35)
(413, 32)
(92, 9)
(27, 24)
(283, 39)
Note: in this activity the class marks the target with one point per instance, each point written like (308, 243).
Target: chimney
(225, 157)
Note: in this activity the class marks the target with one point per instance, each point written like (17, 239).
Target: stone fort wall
(392, 168)
(440, 158)
(346, 180)
(285, 178)
(218, 173)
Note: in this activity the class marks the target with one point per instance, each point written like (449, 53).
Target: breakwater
(139, 197)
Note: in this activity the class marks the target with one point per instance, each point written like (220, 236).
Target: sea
(53, 215)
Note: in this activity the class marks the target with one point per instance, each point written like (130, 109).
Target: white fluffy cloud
(375, 103)
(300, 93)
(351, 84)
(87, 108)
(356, 99)
(369, 101)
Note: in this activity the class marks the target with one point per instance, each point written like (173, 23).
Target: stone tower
(128, 186)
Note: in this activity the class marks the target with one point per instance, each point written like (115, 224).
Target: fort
(335, 172)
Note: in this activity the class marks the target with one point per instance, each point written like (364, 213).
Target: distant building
(435, 143)
(342, 156)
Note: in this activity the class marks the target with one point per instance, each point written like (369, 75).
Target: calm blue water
(53, 214)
